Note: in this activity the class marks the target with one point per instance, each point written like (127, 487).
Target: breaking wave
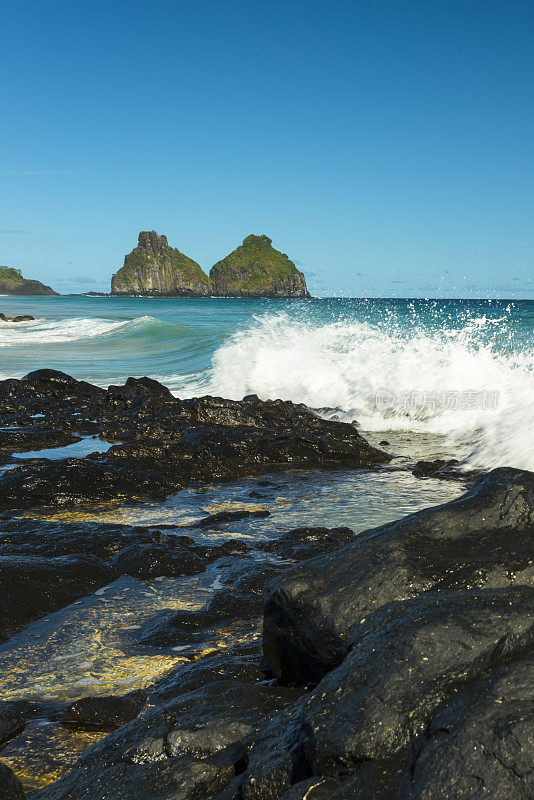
(43, 331)
(469, 382)
(460, 370)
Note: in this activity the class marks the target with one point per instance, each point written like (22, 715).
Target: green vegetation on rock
(155, 268)
(256, 269)
(12, 282)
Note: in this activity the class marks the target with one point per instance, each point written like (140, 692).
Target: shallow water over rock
(91, 646)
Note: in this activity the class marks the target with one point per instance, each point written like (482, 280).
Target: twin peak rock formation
(254, 269)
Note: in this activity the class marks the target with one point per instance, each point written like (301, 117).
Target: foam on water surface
(463, 369)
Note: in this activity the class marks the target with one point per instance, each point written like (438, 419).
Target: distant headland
(254, 269)
(12, 282)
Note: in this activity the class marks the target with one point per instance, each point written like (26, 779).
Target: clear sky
(385, 145)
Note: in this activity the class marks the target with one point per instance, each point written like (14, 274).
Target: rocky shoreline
(397, 664)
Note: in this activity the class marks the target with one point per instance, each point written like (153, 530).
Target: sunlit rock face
(256, 269)
(154, 268)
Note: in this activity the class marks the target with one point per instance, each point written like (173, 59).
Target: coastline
(163, 551)
(190, 646)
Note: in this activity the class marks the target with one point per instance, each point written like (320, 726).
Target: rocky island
(254, 269)
(12, 282)
(154, 268)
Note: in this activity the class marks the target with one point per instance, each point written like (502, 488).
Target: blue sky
(386, 146)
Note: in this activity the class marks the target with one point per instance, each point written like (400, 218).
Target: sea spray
(461, 369)
(464, 381)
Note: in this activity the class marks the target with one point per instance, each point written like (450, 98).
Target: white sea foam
(48, 331)
(399, 374)
(353, 366)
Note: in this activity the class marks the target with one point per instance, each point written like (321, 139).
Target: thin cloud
(78, 280)
(38, 172)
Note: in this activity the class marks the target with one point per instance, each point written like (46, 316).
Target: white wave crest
(50, 331)
(452, 381)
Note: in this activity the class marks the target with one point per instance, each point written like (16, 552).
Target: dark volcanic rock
(211, 451)
(79, 482)
(141, 552)
(485, 538)
(20, 318)
(106, 713)
(149, 561)
(10, 786)
(49, 384)
(311, 789)
(303, 543)
(136, 390)
(433, 694)
(480, 743)
(37, 537)
(188, 749)
(241, 597)
(44, 566)
(240, 662)
(12, 722)
(373, 781)
(243, 594)
(450, 470)
(34, 437)
(189, 627)
(404, 660)
(393, 707)
(418, 636)
(162, 443)
(222, 517)
(32, 586)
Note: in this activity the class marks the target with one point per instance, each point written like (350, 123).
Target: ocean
(458, 371)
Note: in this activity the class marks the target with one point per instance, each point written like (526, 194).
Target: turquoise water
(456, 369)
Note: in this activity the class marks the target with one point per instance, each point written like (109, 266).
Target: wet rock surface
(33, 437)
(430, 694)
(162, 443)
(402, 663)
(303, 543)
(240, 662)
(480, 741)
(191, 746)
(242, 593)
(396, 664)
(19, 318)
(44, 566)
(12, 722)
(483, 539)
(32, 586)
(10, 786)
(222, 517)
(105, 713)
(445, 470)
